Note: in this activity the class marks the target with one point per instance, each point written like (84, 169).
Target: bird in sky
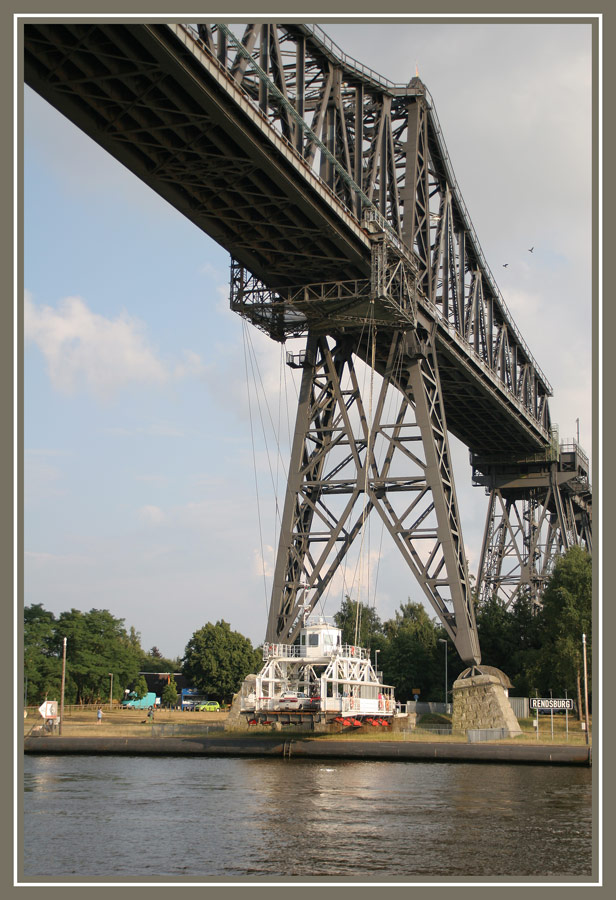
(505, 265)
(531, 249)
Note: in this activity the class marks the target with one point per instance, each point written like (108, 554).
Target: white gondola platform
(317, 680)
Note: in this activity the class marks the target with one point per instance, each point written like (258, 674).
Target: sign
(550, 703)
(49, 709)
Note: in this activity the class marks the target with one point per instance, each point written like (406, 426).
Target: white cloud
(263, 563)
(41, 560)
(85, 349)
(191, 365)
(41, 479)
(152, 514)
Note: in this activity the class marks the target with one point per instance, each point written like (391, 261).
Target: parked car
(210, 706)
(294, 700)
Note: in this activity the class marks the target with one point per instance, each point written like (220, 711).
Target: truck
(150, 699)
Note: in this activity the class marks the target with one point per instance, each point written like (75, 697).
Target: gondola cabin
(317, 678)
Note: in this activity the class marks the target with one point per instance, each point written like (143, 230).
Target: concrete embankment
(330, 749)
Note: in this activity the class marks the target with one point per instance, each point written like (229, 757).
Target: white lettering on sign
(551, 703)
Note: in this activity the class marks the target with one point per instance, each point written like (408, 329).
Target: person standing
(99, 716)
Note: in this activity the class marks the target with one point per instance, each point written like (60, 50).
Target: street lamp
(110, 691)
(443, 641)
(587, 723)
(63, 683)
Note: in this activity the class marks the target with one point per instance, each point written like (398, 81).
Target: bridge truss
(333, 191)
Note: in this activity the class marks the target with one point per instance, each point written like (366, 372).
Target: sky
(150, 483)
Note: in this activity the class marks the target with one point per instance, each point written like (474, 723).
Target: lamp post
(110, 691)
(62, 688)
(585, 690)
(443, 641)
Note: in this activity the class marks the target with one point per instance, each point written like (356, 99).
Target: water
(124, 818)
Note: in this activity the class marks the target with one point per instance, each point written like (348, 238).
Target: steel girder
(527, 529)
(278, 144)
(379, 147)
(347, 460)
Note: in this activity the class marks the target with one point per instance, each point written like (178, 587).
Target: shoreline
(287, 748)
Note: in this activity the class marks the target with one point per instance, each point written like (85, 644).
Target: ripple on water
(235, 818)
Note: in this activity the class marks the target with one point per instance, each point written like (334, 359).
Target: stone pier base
(479, 701)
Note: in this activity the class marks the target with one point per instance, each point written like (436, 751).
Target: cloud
(191, 366)
(42, 480)
(85, 349)
(43, 560)
(152, 514)
(159, 429)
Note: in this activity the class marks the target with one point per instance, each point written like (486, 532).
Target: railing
(322, 38)
(572, 446)
(284, 650)
(296, 651)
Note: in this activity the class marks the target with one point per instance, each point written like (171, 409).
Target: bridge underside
(176, 119)
(188, 132)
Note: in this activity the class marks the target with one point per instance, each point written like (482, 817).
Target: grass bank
(82, 722)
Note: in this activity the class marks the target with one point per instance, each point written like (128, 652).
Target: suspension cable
(254, 460)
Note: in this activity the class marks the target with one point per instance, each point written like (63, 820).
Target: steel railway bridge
(333, 192)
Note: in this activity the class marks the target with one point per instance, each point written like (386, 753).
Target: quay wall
(276, 747)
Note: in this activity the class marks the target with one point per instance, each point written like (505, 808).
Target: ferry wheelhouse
(317, 678)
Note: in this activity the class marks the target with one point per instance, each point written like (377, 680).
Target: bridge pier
(480, 701)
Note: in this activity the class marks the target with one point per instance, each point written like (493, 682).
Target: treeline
(216, 659)
(539, 651)
(97, 644)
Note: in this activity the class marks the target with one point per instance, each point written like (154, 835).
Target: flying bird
(531, 249)
(505, 265)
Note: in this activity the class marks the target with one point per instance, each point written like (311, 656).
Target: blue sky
(139, 477)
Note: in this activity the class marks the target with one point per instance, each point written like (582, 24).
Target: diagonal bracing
(346, 463)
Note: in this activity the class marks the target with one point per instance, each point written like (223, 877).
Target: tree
(217, 660)
(565, 615)
(140, 688)
(495, 631)
(42, 667)
(410, 657)
(355, 616)
(170, 694)
(156, 662)
(97, 644)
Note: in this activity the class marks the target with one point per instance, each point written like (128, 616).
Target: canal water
(123, 818)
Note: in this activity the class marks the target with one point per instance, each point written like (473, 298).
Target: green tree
(140, 688)
(42, 667)
(354, 615)
(496, 634)
(217, 660)
(97, 644)
(565, 615)
(410, 657)
(156, 662)
(170, 694)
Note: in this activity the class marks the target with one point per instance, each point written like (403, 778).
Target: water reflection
(299, 818)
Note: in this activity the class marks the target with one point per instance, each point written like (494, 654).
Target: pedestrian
(99, 716)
